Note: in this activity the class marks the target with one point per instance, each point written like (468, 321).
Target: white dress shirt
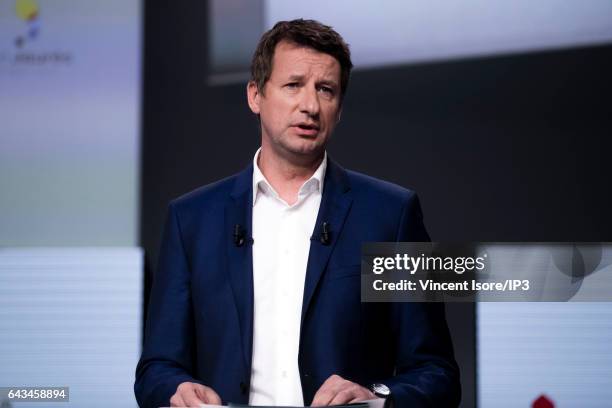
(281, 234)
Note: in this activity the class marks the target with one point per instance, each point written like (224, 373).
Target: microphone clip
(239, 235)
(325, 237)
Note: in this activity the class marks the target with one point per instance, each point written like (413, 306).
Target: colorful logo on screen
(28, 11)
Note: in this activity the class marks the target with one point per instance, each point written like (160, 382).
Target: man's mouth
(307, 129)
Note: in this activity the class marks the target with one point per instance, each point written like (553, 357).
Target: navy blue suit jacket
(200, 321)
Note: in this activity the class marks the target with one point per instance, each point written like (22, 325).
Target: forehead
(297, 60)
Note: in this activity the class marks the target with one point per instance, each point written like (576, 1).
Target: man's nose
(309, 102)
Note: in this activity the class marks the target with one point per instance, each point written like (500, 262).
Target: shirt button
(284, 374)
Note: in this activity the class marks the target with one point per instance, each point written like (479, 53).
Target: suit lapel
(238, 211)
(335, 204)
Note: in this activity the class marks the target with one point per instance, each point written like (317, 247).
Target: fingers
(190, 394)
(186, 395)
(208, 395)
(337, 390)
(176, 401)
(353, 393)
(327, 391)
(344, 396)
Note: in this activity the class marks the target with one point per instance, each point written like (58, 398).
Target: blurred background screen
(71, 270)
(69, 120)
(394, 32)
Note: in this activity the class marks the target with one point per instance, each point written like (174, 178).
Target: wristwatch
(382, 391)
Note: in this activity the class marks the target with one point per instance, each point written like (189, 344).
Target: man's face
(300, 105)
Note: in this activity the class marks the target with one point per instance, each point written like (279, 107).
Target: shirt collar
(314, 183)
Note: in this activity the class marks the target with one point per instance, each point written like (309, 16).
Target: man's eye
(327, 90)
(292, 85)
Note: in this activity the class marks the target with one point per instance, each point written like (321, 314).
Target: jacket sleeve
(426, 372)
(167, 357)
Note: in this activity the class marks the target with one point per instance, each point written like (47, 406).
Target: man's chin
(309, 150)
(306, 152)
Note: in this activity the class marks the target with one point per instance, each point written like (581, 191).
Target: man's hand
(190, 394)
(337, 390)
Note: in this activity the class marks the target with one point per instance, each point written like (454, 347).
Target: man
(257, 295)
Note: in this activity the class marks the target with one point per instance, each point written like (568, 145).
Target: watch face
(381, 390)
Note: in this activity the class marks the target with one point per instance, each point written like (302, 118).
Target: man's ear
(339, 115)
(253, 97)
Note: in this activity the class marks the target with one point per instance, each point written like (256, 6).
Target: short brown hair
(309, 33)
